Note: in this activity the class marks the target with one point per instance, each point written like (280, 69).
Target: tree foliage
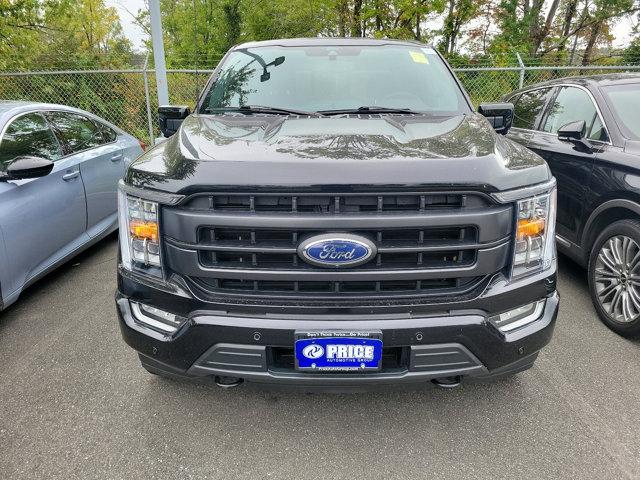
(39, 34)
(569, 31)
(60, 34)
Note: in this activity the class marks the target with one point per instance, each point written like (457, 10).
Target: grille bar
(492, 224)
(230, 247)
(330, 289)
(435, 246)
(322, 203)
(488, 261)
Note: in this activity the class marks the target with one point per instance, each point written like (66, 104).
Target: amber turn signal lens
(144, 230)
(530, 228)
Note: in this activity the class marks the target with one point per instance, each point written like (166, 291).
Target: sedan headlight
(535, 234)
(139, 234)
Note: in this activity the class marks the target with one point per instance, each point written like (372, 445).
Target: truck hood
(369, 150)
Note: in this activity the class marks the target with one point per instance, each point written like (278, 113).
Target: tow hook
(227, 382)
(447, 382)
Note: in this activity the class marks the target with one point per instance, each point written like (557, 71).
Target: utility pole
(158, 52)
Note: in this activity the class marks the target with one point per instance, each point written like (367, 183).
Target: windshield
(322, 78)
(625, 103)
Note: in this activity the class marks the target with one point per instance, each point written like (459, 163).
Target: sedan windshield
(625, 103)
(334, 80)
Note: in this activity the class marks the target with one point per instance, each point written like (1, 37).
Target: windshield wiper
(248, 109)
(371, 109)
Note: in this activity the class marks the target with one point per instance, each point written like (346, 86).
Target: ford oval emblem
(337, 250)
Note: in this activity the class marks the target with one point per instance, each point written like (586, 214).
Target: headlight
(139, 234)
(535, 234)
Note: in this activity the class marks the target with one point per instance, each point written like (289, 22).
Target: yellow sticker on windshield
(418, 57)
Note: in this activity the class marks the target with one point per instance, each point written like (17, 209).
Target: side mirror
(574, 132)
(500, 115)
(171, 117)
(28, 167)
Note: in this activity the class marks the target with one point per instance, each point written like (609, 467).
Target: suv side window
(76, 132)
(528, 108)
(571, 105)
(28, 135)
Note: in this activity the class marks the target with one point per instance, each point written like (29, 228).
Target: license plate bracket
(338, 351)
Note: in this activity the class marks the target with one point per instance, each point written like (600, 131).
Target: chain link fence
(487, 84)
(128, 98)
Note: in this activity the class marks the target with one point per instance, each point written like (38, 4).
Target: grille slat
(334, 288)
(281, 248)
(396, 259)
(329, 204)
(187, 262)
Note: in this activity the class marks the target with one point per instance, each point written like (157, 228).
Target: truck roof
(321, 41)
(589, 80)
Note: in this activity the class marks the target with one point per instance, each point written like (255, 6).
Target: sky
(621, 31)
(129, 27)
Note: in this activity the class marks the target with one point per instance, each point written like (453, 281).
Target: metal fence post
(158, 52)
(148, 100)
(521, 84)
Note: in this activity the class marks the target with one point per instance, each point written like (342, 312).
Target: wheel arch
(607, 213)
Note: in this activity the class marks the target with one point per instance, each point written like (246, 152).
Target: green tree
(631, 54)
(60, 34)
(459, 13)
(21, 26)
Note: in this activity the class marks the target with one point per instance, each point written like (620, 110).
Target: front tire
(614, 277)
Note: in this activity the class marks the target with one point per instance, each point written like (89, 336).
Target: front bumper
(426, 343)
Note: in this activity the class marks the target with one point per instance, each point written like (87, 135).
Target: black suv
(588, 131)
(335, 214)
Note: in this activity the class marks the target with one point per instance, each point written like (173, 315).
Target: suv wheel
(614, 277)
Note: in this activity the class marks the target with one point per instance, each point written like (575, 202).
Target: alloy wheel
(617, 278)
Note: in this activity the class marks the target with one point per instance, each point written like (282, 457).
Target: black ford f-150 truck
(335, 214)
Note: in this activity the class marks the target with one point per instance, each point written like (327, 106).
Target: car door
(570, 163)
(42, 219)
(101, 164)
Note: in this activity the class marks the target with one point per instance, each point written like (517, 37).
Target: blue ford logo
(337, 250)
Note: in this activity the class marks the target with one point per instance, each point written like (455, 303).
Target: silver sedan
(59, 169)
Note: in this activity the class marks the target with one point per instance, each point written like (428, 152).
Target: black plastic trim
(497, 354)
(394, 247)
(488, 261)
(492, 223)
(617, 203)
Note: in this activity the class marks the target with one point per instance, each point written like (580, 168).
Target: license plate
(338, 351)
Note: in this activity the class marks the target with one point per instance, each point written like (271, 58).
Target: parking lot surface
(74, 403)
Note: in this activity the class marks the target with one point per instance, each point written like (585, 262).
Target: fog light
(155, 318)
(518, 317)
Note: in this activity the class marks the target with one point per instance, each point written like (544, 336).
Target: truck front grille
(429, 243)
(401, 248)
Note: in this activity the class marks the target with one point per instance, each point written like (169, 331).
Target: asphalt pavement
(74, 403)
